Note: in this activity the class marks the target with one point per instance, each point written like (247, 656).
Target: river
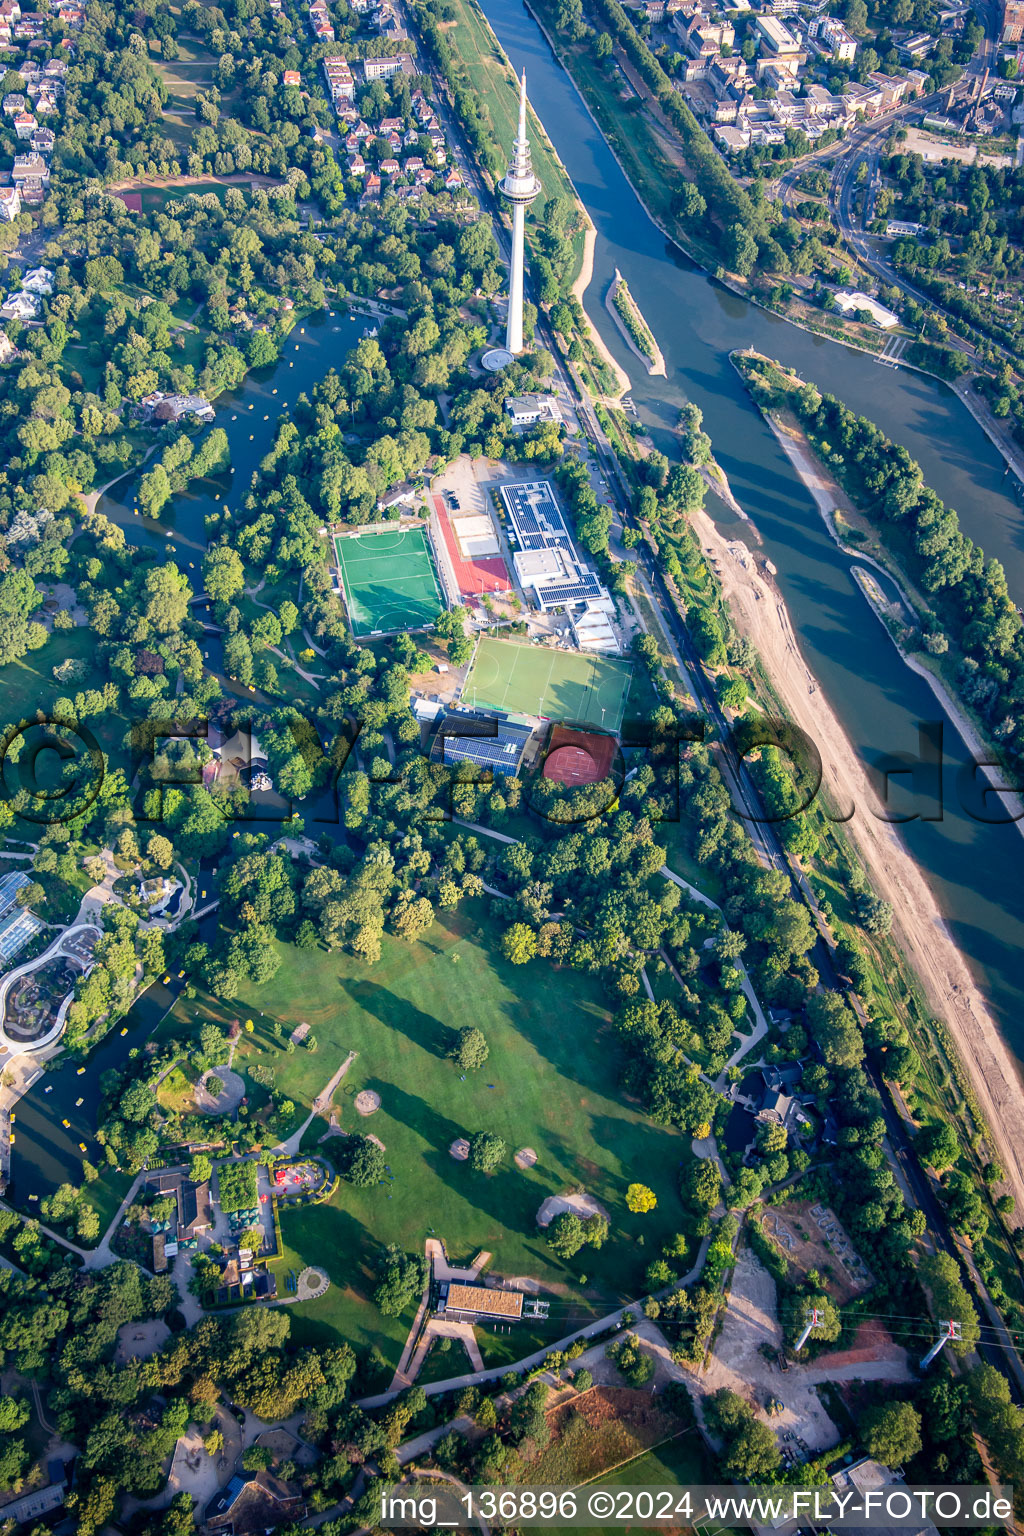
(47, 1153)
(697, 323)
(971, 866)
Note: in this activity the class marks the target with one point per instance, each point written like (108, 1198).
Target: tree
(891, 1432)
(469, 1049)
(937, 1145)
(740, 249)
(364, 1162)
(14, 1414)
(635, 1363)
(223, 573)
(402, 1278)
(519, 944)
(566, 1235)
(834, 1027)
(486, 1151)
(640, 1199)
(200, 1169)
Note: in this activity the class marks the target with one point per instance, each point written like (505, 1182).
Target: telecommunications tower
(521, 187)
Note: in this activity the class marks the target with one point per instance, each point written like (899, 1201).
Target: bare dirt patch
(525, 1157)
(583, 1204)
(811, 1237)
(299, 1033)
(367, 1102)
(376, 1141)
(600, 1429)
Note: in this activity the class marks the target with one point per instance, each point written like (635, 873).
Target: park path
(290, 1147)
(413, 1355)
(612, 1319)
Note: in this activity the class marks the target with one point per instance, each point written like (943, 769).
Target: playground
(556, 685)
(389, 580)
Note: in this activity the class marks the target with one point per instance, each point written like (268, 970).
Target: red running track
(488, 574)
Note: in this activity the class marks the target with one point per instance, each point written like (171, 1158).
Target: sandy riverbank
(579, 288)
(919, 926)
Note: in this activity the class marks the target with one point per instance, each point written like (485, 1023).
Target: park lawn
(28, 685)
(554, 1067)
(325, 1235)
(441, 1365)
(176, 1093)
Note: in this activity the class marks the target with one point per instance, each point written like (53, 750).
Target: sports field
(389, 580)
(557, 685)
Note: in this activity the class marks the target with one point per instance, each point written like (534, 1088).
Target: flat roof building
(480, 1300)
(525, 410)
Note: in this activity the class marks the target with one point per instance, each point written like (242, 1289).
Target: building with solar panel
(547, 563)
(17, 924)
(488, 743)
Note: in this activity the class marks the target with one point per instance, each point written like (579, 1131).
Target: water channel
(973, 868)
(879, 701)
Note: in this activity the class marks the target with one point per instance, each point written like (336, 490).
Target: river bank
(919, 927)
(731, 284)
(827, 496)
(584, 279)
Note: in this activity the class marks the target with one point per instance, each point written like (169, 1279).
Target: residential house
(10, 203)
(291, 77)
(25, 125)
(43, 140)
(413, 164)
(38, 280)
(390, 125)
(356, 165)
(833, 39)
(383, 69)
(21, 306)
(390, 168)
(410, 138)
(26, 166)
(160, 407)
(892, 87)
(702, 37)
(33, 193)
(371, 188)
(13, 104)
(339, 79)
(453, 179)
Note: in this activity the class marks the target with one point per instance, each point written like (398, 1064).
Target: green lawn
(554, 1070)
(683, 1461)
